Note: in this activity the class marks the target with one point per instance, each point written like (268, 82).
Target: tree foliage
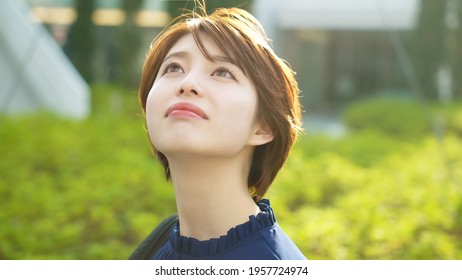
(437, 45)
(81, 42)
(129, 43)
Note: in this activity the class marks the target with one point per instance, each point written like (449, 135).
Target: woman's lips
(185, 110)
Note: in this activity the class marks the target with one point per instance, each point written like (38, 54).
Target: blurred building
(110, 21)
(33, 64)
(341, 50)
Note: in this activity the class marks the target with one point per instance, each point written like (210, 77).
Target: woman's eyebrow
(221, 58)
(224, 58)
(213, 57)
(180, 54)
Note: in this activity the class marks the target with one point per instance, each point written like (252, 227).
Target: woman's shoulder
(265, 239)
(260, 238)
(275, 239)
(281, 244)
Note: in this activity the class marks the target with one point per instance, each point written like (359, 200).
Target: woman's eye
(223, 72)
(173, 68)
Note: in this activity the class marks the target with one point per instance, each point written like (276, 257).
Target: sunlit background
(377, 174)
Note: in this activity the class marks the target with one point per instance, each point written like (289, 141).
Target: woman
(222, 113)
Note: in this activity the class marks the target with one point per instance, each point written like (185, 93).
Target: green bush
(407, 206)
(403, 119)
(364, 148)
(451, 117)
(78, 189)
(456, 123)
(92, 190)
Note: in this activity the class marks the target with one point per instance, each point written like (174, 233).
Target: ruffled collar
(206, 248)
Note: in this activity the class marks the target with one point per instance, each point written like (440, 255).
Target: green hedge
(406, 206)
(91, 189)
(403, 119)
(395, 117)
(79, 189)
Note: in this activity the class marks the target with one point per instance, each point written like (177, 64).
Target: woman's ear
(261, 135)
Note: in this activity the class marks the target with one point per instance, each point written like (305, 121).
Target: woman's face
(201, 107)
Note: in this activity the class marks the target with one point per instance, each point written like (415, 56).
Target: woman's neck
(211, 195)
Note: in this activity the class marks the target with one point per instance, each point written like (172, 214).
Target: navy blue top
(260, 238)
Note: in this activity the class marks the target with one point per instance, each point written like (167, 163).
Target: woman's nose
(183, 91)
(189, 85)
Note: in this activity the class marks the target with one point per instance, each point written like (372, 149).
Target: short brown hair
(241, 37)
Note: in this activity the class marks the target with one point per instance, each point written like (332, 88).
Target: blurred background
(377, 174)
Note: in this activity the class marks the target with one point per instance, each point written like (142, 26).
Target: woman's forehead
(189, 44)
